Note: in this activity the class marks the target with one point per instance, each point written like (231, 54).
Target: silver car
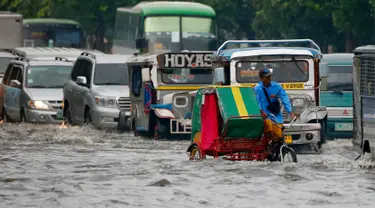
(97, 90)
(31, 90)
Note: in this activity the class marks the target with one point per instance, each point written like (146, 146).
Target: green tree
(354, 19)
(286, 19)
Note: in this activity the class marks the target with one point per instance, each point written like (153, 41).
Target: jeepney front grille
(56, 104)
(123, 103)
(367, 76)
(286, 117)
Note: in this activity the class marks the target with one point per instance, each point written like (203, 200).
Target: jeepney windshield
(186, 76)
(164, 33)
(283, 71)
(340, 78)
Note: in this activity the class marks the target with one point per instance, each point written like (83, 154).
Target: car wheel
(88, 119)
(67, 115)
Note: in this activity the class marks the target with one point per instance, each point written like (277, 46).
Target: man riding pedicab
(268, 93)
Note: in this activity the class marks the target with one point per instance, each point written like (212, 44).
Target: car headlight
(298, 102)
(38, 104)
(108, 102)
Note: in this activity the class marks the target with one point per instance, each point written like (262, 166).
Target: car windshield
(340, 78)
(4, 61)
(164, 33)
(47, 76)
(111, 74)
(187, 76)
(283, 71)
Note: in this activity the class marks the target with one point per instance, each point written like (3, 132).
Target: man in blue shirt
(274, 91)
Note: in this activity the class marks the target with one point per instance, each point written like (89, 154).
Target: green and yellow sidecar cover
(229, 111)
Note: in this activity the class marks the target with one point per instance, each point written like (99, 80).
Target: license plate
(288, 139)
(59, 115)
(343, 127)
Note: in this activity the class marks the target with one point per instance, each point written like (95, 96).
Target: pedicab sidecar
(226, 121)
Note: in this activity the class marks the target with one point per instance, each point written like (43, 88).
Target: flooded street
(45, 166)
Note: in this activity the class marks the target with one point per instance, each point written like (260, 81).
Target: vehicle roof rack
(21, 58)
(62, 59)
(313, 45)
(88, 54)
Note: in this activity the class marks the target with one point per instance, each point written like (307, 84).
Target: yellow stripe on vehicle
(239, 102)
(287, 86)
(179, 87)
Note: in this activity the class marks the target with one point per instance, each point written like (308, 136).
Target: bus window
(61, 35)
(340, 78)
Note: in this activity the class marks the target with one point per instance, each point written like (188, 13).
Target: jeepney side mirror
(323, 69)
(219, 75)
(146, 75)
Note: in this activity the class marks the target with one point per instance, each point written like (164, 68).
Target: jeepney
(336, 94)
(364, 100)
(160, 92)
(296, 68)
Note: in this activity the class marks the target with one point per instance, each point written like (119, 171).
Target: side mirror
(81, 80)
(219, 75)
(141, 43)
(323, 69)
(146, 75)
(15, 83)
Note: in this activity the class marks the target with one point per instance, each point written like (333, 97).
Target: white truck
(11, 36)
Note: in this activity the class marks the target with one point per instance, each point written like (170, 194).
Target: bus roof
(228, 53)
(33, 52)
(171, 8)
(338, 58)
(365, 49)
(9, 14)
(49, 21)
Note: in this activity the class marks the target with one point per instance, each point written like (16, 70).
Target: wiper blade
(111, 83)
(37, 86)
(55, 86)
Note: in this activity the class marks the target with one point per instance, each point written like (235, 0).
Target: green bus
(48, 32)
(160, 27)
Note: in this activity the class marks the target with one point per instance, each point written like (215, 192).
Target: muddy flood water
(46, 166)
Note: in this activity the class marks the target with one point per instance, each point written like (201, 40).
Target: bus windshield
(170, 32)
(186, 76)
(340, 78)
(283, 71)
(62, 36)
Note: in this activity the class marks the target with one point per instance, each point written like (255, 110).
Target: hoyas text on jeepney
(187, 60)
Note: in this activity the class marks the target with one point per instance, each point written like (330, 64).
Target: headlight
(180, 101)
(298, 102)
(38, 104)
(109, 102)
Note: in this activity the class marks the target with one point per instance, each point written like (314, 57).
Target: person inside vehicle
(268, 94)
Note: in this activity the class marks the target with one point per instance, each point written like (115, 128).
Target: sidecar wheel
(195, 153)
(288, 154)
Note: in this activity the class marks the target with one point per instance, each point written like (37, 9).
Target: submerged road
(46, 166)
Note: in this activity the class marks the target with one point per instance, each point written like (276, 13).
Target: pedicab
(226, 122)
